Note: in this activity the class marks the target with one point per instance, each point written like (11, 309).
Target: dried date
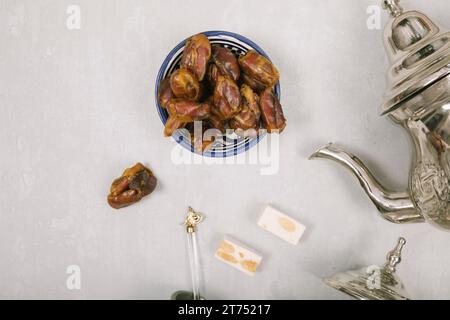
(227, 98)
(272, 112)
(226, 62)
(188, 111)
(185, 85)
(134, 184)
(196, 55)
(259, 68)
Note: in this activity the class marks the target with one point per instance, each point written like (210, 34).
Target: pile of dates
(223, 91)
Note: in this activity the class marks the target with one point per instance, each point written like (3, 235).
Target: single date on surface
(134, 184)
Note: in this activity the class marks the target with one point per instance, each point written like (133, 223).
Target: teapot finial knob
(393, 7)
(395, 256)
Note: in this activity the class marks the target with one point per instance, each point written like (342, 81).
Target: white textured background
(77, 107)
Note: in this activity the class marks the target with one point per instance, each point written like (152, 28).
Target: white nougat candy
(238, 256)
(281, 225)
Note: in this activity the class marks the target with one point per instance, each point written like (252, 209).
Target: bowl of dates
(218, 94)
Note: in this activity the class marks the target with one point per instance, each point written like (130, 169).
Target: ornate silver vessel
(373, 282)
(418, 99)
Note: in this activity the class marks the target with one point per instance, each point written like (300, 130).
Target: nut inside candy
(287, 224)
(249, 265)
(227, 247)
(227, 257)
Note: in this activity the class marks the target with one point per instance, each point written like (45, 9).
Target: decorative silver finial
(393, 7)
(395, 256)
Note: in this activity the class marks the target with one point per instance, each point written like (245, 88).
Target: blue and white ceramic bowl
(231, 145)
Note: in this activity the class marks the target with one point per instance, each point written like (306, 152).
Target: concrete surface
(77, 107)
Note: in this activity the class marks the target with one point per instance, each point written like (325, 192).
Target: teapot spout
(395, 207)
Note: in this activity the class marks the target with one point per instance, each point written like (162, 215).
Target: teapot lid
(418, 52)
(374, 282)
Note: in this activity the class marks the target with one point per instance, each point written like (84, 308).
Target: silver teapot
(418, 99)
